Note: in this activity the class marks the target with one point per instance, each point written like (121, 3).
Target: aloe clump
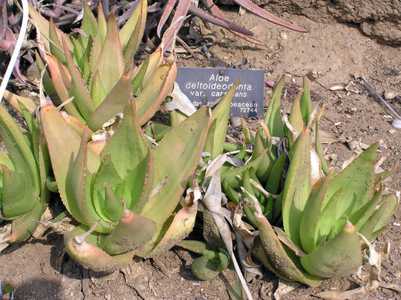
(126, 194)
(93, 75)
(24, 170)
(323, 212)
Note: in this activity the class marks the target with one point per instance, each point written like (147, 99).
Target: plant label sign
(205, 86)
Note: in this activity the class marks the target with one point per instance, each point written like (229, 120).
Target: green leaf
(274, 180)
(132, 32)
(182, 146)
(220, 118)
(273, 118)
(338, 257)
(57, 131)
(296, 118)
(110, 63)
(105, 183)
(272, 254)
(78, 89)
(59, 81)
(115, 102)
(56, 48)
(21, 186)
(155, 91)
(132, 232)
(89, 23)
(357, 181)
(306, 102)
(78, 190)
(297, 186)
(24, 226)
(135, 148)
(90, 256)
(380, 218)
(312, 214)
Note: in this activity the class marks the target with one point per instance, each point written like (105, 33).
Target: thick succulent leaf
(18, 194)
(131, 233)
(78, 88)
(177, 229)
(78, 190)
(158, 130)
(269, 250)
(132, 32)
(114, 103)
(319, 149)
(337, 257)
(18, 102)
(21, 186)
(155, 60)
(6, 161)
(97, 89)
(107, 205)
(95, 51)
(56, 48)
(260, 144)
(177, 117)
(297, 186)
(42, 25)
(365, 212)
(138, 80)
(89, 24)
(356, 183)
(312, 214)
(273, 118)
(101, 22)
(110, 64)
(87, 254)
(306, 102)
(155, 91)
(135, 148)
(59, 77)
(182, 146)
(208, 267)
(296, 118)
(380, 218)
(57, 131)
(24, 226)
(220, 118)
(274, 180)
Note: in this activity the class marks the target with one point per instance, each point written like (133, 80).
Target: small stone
(397, 123)
(236, 122)
(283, 35)
(390, 95)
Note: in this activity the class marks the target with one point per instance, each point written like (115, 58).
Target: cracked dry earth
(332, 53)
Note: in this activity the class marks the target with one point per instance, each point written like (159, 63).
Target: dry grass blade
(165, 15)
(253, 8)
(219, 21)
(212, 201)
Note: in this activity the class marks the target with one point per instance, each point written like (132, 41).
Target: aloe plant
(24, 171)
(93, 74)
(124, 193)
(285, 180)
(323, 212)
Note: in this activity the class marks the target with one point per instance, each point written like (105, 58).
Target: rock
(390, 95)
(379, 19)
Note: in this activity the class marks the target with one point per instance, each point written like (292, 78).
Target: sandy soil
(331, 53)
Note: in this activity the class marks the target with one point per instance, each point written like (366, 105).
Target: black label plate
(204, 86)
